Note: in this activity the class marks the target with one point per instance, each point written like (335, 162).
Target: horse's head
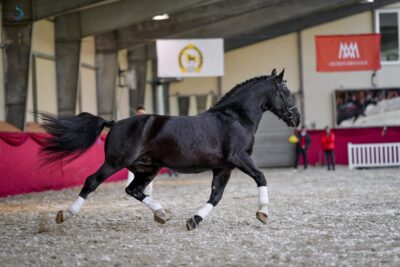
(282, 102)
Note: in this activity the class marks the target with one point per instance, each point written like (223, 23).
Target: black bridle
(288, 113)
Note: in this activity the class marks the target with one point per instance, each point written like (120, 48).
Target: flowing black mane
(236, 88)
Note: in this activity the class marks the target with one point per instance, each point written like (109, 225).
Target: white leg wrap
(264, 209)
(152, 204)
(263, 199)
(263, 196)
(131, 176)
(74, 209)
(149, 190)
(204, 211)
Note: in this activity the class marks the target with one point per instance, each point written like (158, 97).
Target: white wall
(260, 58)
(43, 43)
(191, 87)
(87, 77)
(194, 86)
(389, 74)
(319, 87)
(242, 64)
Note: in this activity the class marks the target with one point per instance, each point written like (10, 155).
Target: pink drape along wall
(21, 170)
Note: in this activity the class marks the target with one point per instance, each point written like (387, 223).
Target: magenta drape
(349, 135)
(21, 170)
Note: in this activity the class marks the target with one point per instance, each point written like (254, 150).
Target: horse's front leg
(220, 179)
(136, 189)
(246, 165)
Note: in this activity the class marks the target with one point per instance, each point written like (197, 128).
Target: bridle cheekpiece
(288, 113)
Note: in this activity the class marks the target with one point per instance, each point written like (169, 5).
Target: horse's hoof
(162, 216)
(262, 216)
(63, 215)
(60, 217)
(191, 224)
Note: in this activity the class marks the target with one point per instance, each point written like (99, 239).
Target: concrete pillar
(106, 75)
(137, 77)
(160, 92)
(68, 48)
(17, 30)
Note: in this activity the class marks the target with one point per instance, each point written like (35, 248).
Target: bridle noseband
(288, 113)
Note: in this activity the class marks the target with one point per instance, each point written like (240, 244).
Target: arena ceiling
(239, 22)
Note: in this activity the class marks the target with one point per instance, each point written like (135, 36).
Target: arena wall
(319, 86)
(192, 87)
(122, 90)
(88, 77)
(240, 64)
(260, 58)
(254, 60)
(43, 45)
(2, 103)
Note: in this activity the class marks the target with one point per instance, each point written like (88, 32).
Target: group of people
(303, 141)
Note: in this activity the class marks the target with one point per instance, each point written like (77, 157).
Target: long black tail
(70, 137)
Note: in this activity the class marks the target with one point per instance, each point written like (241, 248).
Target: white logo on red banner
(349, 50)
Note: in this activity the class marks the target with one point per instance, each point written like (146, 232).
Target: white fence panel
(373, 155)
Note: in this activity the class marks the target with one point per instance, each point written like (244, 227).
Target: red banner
(348, 52)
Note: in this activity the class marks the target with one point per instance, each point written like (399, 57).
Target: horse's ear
(273, 72)
(280, 77)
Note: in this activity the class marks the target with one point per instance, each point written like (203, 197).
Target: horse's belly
(193, 162)
(187, 155)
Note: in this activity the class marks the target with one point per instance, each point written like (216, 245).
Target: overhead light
(161, 17)
(366, 1)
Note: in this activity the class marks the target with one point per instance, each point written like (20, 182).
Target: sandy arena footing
(317, 218)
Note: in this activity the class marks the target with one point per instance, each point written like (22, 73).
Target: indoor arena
(199, 133)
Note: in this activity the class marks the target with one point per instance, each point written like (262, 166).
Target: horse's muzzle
(291, 117)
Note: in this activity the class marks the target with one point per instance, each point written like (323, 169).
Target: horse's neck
(247, 111)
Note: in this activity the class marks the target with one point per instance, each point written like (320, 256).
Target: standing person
(140, 110)
(302, 146)
(328, 146)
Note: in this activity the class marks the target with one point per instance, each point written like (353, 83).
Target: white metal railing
(373, 155)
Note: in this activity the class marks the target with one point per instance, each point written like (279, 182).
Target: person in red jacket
(328, 146)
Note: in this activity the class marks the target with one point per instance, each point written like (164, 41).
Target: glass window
(388, 26)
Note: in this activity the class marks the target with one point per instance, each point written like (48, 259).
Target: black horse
(353, 109)
(219, 139)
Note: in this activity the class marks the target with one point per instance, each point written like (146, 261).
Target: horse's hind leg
(91, 183)
(147, 191)
(136, 189)
(220, 179)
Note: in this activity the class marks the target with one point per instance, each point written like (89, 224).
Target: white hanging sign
(190, 58)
